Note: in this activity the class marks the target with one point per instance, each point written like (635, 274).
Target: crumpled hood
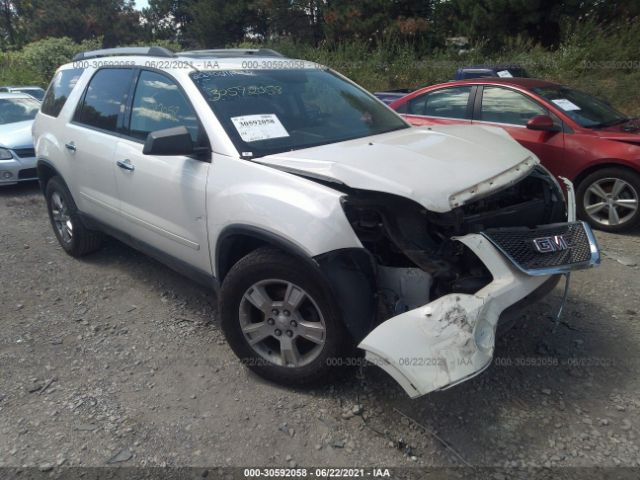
(16, 135)
(438, 167)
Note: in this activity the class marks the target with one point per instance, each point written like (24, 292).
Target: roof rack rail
(150, 51)
(231, 52)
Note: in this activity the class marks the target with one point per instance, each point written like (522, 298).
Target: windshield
(273, 111)
(586, 110)
(18, 109)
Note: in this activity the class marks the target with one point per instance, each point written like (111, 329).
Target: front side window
(273, 111)
(158, 104)
(14, 110)
(502, 105)
(59, 90)
(104, 101)
(587, 110)
(447, 103)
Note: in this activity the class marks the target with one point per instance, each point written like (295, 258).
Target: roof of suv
(211, 59)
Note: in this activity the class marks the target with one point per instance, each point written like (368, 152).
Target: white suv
(322, 219)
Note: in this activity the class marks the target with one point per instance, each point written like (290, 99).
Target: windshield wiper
(611, 123)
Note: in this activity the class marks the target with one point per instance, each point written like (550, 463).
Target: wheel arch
(237, 241)
(46, 171)
(601, 164)
(348, 272)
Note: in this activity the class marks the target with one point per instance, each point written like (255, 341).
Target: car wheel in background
(74, 237)
(279, 317)
(609, 199)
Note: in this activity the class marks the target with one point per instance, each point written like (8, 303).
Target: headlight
(5, 154)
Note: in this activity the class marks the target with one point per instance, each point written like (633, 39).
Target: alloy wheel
(61, 218)
(611, 201)
(282, 323)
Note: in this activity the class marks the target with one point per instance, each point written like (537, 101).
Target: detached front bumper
(452, 339)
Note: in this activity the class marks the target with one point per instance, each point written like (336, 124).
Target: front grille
(25, 152)
(517, 244)
(27, 173)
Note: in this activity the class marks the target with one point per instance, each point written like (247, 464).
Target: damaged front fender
(452, 338)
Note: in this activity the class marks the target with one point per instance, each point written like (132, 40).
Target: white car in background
(322, 219)
(17, 155)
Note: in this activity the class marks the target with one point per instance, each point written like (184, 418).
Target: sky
(140, 4)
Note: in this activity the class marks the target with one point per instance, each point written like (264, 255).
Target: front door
(511, 110)
(163, 197)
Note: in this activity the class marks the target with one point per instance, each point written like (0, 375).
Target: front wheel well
(594, 168)
(45, 173)
(236, 242)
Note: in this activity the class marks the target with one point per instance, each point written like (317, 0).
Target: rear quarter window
(59, 90)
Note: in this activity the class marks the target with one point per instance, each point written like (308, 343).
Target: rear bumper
(452, 338)
(17, 170)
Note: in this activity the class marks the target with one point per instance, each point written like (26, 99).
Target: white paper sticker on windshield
(259, 127)
(504, 74)
(565, 104)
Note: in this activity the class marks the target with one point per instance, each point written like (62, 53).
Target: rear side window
(104, 101)
(447, 103)
(158, 104)
(59, 90)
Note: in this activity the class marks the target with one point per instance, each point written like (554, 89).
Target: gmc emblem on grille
(556, 243)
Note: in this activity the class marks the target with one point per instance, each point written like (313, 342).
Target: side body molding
(452, 338)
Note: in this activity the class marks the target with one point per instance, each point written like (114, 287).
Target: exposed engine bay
(416, 252)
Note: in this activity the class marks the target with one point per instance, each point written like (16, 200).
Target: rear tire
(73, 236)
(280, 319)
(608, 199)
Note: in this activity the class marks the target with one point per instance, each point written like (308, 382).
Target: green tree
(371, 20)
(116, 21)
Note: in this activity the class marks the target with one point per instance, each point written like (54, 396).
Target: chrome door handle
(126, 165)
(70, 146)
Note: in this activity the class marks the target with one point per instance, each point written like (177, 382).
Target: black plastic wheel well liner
(237, 241)
(351, 273)
(45, 172)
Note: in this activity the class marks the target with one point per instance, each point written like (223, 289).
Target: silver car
(35, 92)
(17, 156)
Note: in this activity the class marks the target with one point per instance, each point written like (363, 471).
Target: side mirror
(171, 141)
(543, 123)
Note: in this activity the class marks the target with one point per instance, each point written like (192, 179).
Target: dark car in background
(463, 73)
(489, 71)
(391, 96)
(575, 135)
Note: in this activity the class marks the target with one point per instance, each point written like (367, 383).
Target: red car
(574, 134)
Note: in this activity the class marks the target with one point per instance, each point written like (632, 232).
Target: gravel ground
(117, 360)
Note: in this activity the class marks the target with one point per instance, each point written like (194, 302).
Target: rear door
(163, 197)
(445, 106)
(90, 140)
(511, 110)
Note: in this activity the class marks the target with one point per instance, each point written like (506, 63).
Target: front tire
(608, 199)
(73, 236)
(279, 317)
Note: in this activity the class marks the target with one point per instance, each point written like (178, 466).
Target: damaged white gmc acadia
(322, 219)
